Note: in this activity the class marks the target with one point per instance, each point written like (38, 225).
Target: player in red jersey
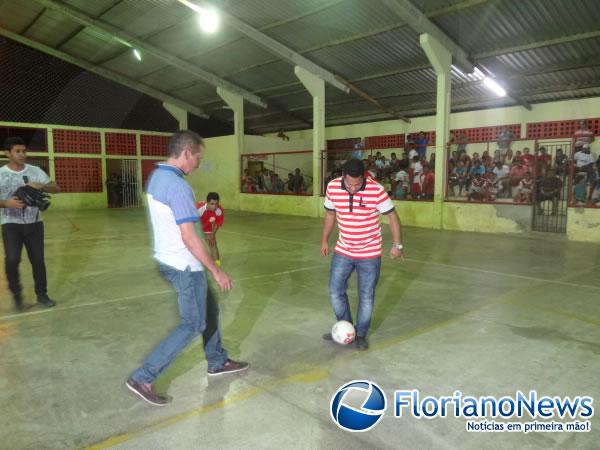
(211, 217)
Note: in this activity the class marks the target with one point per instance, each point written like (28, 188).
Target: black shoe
(328, 337)
(361, 343)
(18, 298)
(46, 301)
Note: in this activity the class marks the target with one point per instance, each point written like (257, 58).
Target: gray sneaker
(230, 366)
(147, 394)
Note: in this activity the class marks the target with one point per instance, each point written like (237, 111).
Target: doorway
(122, 183)
(550, 211)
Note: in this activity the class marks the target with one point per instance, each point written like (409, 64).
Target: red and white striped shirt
(583, 137)
(358, 217)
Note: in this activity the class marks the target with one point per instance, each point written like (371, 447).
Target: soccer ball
(343, 332)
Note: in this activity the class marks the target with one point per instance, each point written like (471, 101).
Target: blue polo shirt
(171, 202)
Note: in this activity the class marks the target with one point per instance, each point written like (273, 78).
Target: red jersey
(208, 217)
(528, 159)
(427, 183)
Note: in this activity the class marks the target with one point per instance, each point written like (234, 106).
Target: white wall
(283, 163)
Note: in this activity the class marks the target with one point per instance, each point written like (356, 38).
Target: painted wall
(218, 171)
(282, 164)
(281, 204)
(268, 144)
(70, 201)
(583, 224)
(417, 214)
(486, 218)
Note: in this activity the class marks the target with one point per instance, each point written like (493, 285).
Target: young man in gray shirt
(21, 224)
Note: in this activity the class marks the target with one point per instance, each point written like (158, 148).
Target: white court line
(132, 297)
(266, 237)
(95, 238)
(452, 266)
(430, 263)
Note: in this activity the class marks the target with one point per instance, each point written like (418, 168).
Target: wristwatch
(399, 246)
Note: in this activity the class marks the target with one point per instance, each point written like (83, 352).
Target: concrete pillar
(441, 60)
(180, 114)
(236, 103)
(316, 87)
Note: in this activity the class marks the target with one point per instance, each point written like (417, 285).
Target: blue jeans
(367, 271)
(199, 314)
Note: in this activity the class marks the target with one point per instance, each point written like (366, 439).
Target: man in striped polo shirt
(356, 202)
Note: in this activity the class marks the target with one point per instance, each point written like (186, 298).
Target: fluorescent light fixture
(191, 5)
(491, 84)
(478, 74)
(137, 54)
(208, 20)
(457, 69)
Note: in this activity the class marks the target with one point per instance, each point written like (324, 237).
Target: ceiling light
(493, 86)
(137, 54)
(208, 20)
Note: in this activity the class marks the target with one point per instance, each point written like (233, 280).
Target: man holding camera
(21, 220)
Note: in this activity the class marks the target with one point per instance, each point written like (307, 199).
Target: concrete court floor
(484, 314)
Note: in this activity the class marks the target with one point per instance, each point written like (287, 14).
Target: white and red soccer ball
(343, 332)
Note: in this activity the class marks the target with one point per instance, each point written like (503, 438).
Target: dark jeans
(199, 315)
(15, 235)
(339, 276)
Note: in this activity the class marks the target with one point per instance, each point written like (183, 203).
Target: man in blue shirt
(421, 144)
(182, 258)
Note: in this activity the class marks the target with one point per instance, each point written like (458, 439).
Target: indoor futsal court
(304, 224)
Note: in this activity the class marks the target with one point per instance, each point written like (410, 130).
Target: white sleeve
(40, 176)
(328, 204)
(202, 210)
(384, 204)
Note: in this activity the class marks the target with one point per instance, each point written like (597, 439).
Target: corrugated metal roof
(517, 22)
(341, 21)
(139, 18)
(168, 78)
(565, 94)
(266, 76)
(188, 41)
(94, 8)
(359, 40)
(89, 46)
(422, 80)
(51, 28)
(259, 13)
(21, 14)
(199, 93)
(244, 53)
(546, 56)
(129, 66)
(387, 51)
